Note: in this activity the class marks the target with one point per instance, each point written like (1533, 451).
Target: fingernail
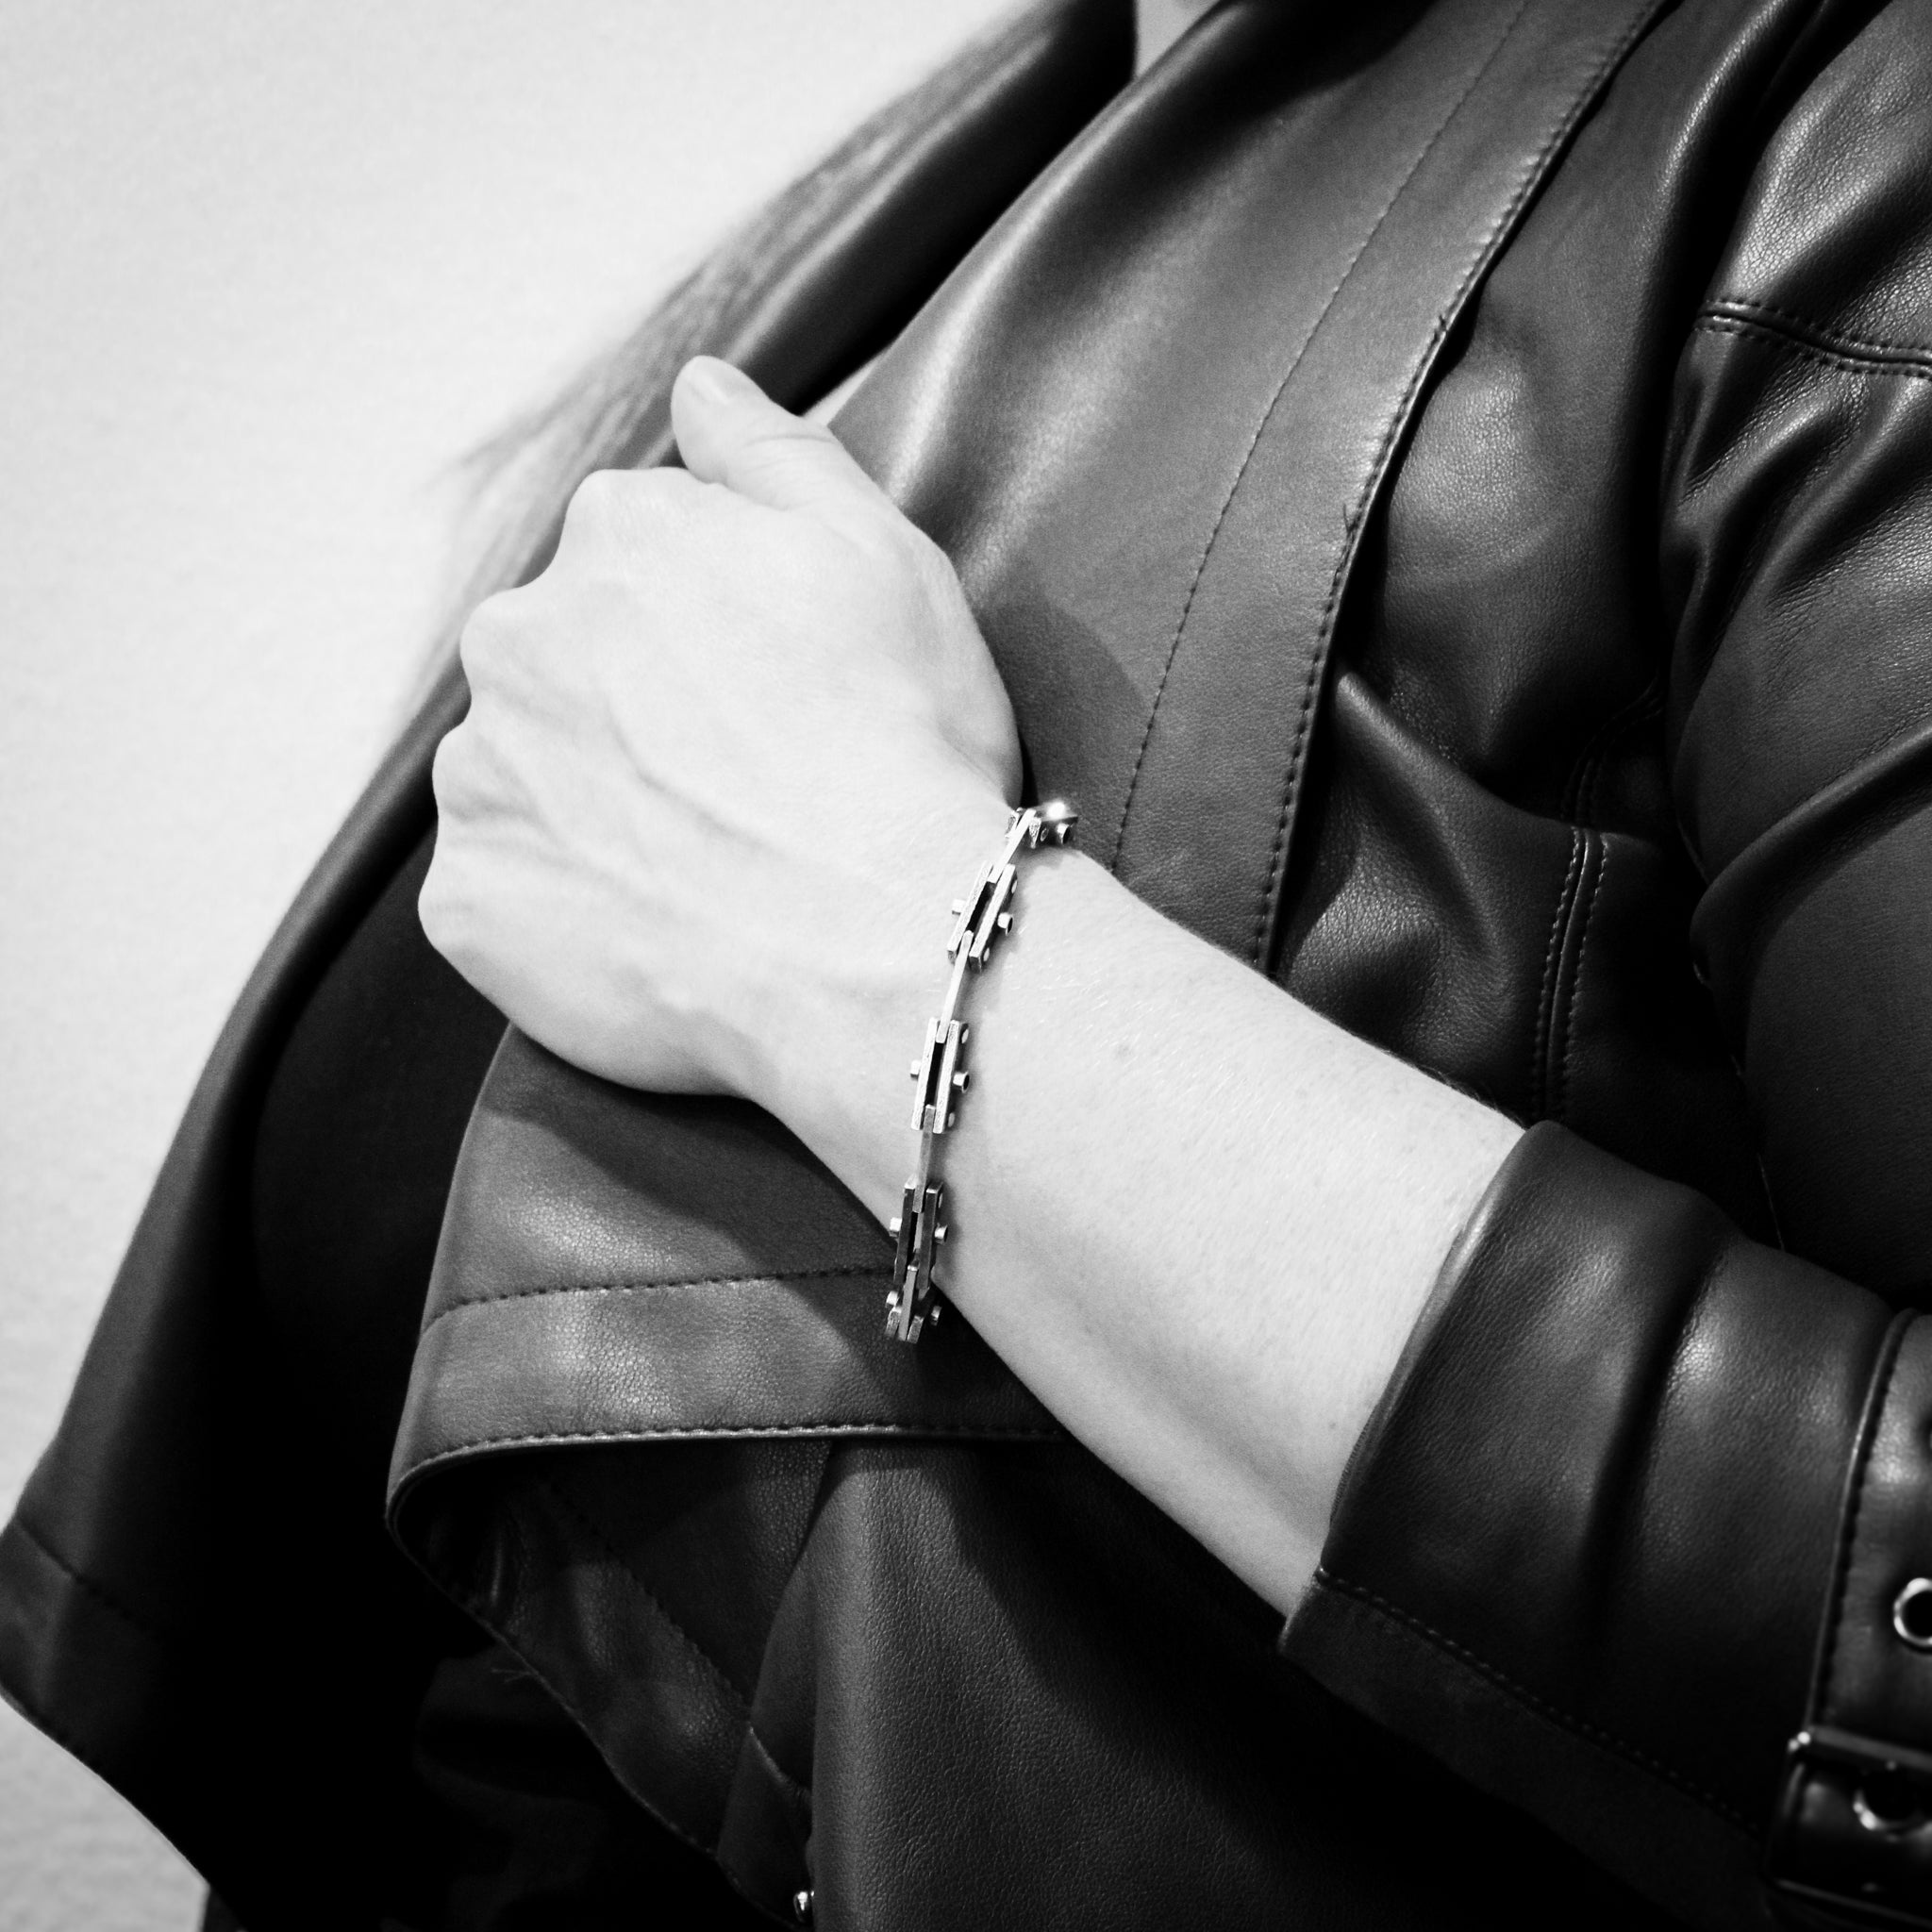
(718, 382)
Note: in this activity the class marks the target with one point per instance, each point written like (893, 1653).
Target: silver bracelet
(981, 918)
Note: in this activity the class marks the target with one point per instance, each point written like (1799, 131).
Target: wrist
(827, 1048)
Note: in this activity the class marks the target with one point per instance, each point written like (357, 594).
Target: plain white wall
(270, 269)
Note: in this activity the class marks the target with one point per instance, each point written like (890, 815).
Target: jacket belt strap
(1850, 1841)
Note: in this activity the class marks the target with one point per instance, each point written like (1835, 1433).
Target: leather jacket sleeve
(1636, 1537)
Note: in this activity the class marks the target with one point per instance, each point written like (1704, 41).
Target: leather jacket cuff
(1852, 1839)
(1585, 1545)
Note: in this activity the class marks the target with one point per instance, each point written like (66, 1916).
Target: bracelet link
(984, 916)
(980, 921)
(940, 1078)
(917, 1230)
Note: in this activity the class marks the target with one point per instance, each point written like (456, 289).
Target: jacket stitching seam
(1261, 430)
(968, 1432)
(561, 1697)
(572, 1506)
(1801, 329)
(1914, 370)
(88, 1587)
(1737, 1067)
(820, 1491)
(517, 1294)
(1352, 522)
(1777, 1226)
(1353, 519)
(1546, 992)
(1841, 1569)
(1594, 843)
(777, 1770)
(1310, 684)
(1581, 1727)
(1646, 709)
(525, 1560)
(1580, 794)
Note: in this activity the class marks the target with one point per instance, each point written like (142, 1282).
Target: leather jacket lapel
(1154, 483)
(1153, 479)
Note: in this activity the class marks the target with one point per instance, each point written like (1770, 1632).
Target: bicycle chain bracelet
(981, 918)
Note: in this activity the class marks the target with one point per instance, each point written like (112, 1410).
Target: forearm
(726, 765)
(1198, 1220)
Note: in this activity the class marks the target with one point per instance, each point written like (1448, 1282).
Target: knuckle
(467, 777)
(620, 506)
(459, 913)
(437, 912)
(450, 780)
(932, 569)
(800, 433)
(589, 518)
(596, 498)
(664, 489)
(443, 766)
(910, 558)
(793, 449)
(920, 551)
(486, 635)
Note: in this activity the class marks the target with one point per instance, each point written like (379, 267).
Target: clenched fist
(727, 760)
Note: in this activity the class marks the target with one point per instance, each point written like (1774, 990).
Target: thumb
(729, 431)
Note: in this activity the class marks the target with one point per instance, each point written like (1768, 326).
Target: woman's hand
(727, 760)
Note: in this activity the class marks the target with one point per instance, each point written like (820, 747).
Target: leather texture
(191, 1599)
(1610, 1616)
(1447, 488)
(1650, 1579)
(619, 1268)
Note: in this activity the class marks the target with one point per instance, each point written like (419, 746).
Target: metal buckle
(1890, 1797)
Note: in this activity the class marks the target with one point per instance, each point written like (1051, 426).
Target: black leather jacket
(1450, 491)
